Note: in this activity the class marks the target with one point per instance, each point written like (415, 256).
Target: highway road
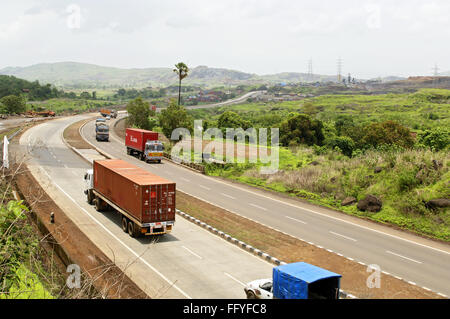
(188, 263)
(412, 258)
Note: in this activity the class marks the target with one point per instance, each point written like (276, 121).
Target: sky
(373, 38)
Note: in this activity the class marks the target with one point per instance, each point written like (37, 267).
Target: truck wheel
(159, 161)
(128, 151)
(90, 197)
(133, 230)
(142, 156)
(124, 224)
(98, 204)
(251, 295)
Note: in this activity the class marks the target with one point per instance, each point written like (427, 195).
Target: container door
(153, 203)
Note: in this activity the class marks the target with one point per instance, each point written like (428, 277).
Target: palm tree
(182, 70)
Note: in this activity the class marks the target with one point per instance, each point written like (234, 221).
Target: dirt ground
(290, 249)
(72, 135)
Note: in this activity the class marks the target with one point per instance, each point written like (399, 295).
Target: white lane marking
(259, 207)
(228, 196)
(172, 284)
(416, 261)
(346, 237)
(297, 220)
(200, 257)
(204, 187)
(185, 179)
(238, 281)
(65, 166)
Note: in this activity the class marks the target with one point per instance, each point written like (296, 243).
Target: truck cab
(102, 132)
(154, 151)
(89, 184)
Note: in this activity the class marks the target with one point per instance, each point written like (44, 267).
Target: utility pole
(310, 71)
(435, 75)
(339, 70)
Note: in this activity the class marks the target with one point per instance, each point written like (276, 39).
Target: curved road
(412, 258)
(188, 263)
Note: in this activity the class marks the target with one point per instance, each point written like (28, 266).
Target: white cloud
(262, 36)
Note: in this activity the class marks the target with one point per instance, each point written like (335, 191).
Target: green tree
(389, 133)
(301, 129)
(14, 104)
(85, 95)
(231, 119)
(344, 143)
(182, 71)
(175, 116)
(138, 113)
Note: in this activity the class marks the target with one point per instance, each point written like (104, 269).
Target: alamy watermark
(374, 280)
(74, 279)
(74, 18)
(239, 146)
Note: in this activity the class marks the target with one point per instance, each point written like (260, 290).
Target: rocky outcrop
(438, 203)
(348, 201)
(370, 203)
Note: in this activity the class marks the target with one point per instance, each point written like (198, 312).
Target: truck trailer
(145, 201)
(144, 144)
(106, 112)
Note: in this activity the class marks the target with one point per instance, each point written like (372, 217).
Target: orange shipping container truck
(145, 201)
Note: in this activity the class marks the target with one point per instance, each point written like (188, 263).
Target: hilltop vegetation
(88, 76)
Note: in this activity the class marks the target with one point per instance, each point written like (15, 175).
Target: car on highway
(108, 117)
(259, 289)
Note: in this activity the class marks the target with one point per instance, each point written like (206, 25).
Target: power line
(310, 70)
(339, 70)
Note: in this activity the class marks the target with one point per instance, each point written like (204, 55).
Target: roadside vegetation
(383, 157)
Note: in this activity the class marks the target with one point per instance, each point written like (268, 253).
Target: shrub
(437, 139)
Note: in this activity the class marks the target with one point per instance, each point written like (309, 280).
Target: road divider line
(392, 253)
(297, 220)
(238, 281)
(343, 236)
(198, 256)
(204, 187)
(256, 206)
(229, 196)
(185, 179)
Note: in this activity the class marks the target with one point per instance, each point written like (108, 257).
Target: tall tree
(182, 71)
(138, 113)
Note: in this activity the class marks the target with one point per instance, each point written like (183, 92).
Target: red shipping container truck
(145, 201)
(143, 143)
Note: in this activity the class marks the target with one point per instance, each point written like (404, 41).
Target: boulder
(314, 163)
(438, 203)
(377, 169)
(348, 201)
(370, 203)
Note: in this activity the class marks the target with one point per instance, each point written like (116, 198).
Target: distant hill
(83, 75)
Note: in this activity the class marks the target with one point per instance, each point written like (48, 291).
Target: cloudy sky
(373, 38)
